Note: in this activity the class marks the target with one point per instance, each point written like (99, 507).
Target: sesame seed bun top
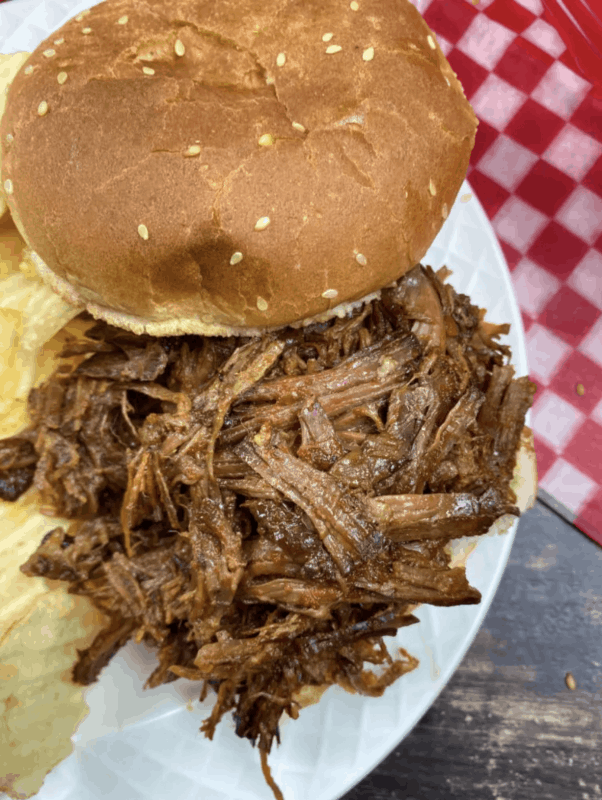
(213, 166)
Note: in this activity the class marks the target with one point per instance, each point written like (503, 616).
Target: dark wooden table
(507, 727)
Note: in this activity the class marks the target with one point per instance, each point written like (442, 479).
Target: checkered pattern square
(586, 278)
(569, 315)
(511, 15)
(593, 179)
(534, 287)
(543, 35)
(537, 169)
(582, 213)
(573, 152)
(546, 353)
(534, 126)
(578, 369)
(507, 162)
(524, 64)
(545, 187)
(591, 345)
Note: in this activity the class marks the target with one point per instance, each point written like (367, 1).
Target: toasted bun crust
(148, 145)
(9, 66)
(524, 483)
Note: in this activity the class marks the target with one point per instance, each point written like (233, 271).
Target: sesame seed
(80, 17)
(431, 42)
(281, 59)
(265, 140)
(580, 389)
(466, 197)
(179, 48)
(59, 41)
(148, 70)
(8, 186)
(123, 20)
(354, 6)
(432, 188)
(330, 294)
(333, 48)
(193, 150)
(49, 53)
(236, 258)
(269, 81)
(444, 211)
(368, 54)
(9, 138)
(298, 127)
(262, 304)
(143, 232)
(447, 80)
(62, 77)
(262, 223)
(28, 69)
(327, 37)
(86, 31)
(43, 108)
(570, 681)
(361, 259)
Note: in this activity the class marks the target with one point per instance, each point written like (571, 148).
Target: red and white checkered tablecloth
(537, 169)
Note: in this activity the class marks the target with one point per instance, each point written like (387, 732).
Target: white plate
(146, 745)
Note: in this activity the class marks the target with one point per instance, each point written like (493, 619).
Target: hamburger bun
(9, 66)
(226, 167)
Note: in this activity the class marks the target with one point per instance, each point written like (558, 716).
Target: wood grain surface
(507, 727)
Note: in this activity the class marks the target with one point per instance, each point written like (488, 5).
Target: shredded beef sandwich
(280, 418)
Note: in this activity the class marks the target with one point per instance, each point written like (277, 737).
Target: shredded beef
(263, 511)
(18, 461)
